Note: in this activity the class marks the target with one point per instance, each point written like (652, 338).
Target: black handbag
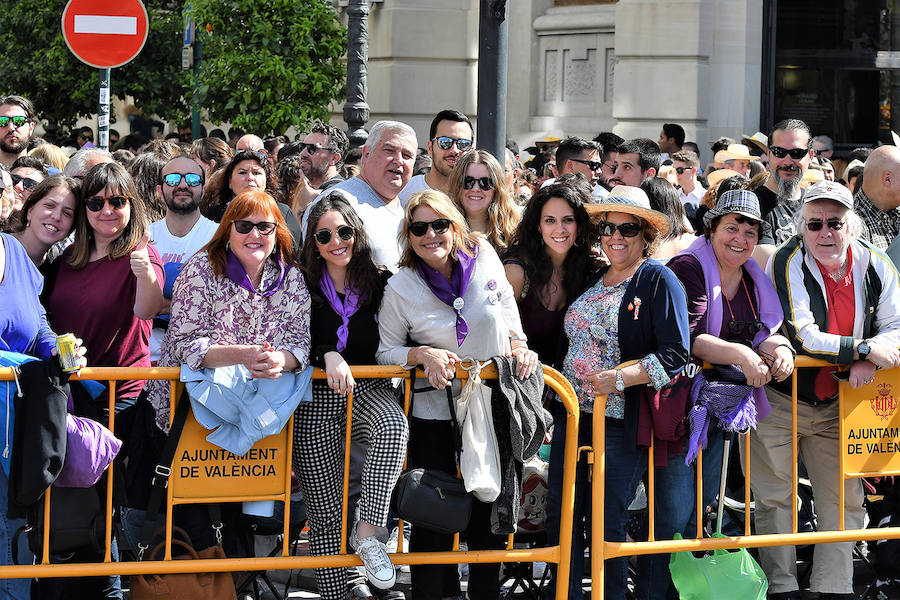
(77, 522)
(431, 498)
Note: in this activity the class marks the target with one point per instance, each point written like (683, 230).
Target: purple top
(23, 323)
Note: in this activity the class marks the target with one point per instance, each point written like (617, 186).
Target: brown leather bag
(185, 586)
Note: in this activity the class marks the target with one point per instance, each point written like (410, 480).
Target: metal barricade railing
(602, 549)
(558, 554)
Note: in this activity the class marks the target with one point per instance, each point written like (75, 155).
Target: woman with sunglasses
(346, 289)
(241, 300)
(625, 336)
(451, 300)
(47, 217)
(247, 170)
(477, 188)
(841, 304)
(734, 317)
(109, 283)
(27, 172)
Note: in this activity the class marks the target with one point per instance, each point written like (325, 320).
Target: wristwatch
(620, 381)
(863, 350)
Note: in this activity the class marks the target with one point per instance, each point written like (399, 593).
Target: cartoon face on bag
(533, 504)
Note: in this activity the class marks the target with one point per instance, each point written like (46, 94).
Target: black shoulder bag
(431, 498)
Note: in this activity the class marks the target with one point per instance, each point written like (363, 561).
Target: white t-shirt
(416, 184)
(382, 221)
(175, 251)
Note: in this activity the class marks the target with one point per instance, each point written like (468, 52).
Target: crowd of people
(620, 262)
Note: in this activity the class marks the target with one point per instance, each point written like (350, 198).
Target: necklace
(840, 273)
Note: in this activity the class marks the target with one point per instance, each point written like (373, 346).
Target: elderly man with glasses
(841, 303)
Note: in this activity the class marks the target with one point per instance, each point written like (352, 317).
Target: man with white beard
(790, 151)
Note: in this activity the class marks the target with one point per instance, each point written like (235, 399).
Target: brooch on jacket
(635, 305)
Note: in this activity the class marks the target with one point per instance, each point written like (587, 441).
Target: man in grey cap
(822, 275)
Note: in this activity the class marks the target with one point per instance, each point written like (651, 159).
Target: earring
(578, 242)
(228, 245)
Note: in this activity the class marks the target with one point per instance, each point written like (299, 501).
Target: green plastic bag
(724, 574)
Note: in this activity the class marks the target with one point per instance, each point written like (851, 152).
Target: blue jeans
(14, 589)
(625, 467)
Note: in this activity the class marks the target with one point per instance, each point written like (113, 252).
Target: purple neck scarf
(234, 271)
(345, 309)
(451, 292)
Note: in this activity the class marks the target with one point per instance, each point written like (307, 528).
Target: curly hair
(528, 249)
(503, 217)
(363, 275)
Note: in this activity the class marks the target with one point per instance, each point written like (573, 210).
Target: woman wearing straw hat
(633, 310)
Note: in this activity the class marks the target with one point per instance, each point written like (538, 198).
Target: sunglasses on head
(95, 204)
(311, 148)
(345, 232)
(244, 226)
(16, 121)
(834, 224)
(795, 153)
(628, 230)
(420, 228)
(484, 183)
(445, 143)
(593, 165)
(190, 179)
(681, 170)
(27, 182)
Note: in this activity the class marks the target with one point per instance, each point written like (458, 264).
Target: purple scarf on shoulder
(771, 316)
(234, 271)
(451, 292)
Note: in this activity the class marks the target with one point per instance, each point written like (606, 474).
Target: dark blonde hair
(503, 218)
(440, 203)
(241, 207)
(113, 177)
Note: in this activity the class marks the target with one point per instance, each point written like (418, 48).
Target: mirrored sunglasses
(445, 143)
(190, 179)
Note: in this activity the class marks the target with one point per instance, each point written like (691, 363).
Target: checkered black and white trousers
(319, 431)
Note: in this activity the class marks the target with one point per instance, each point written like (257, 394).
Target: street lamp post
(493, 49)
(356, 111)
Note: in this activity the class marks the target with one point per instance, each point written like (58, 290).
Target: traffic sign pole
(103, 111)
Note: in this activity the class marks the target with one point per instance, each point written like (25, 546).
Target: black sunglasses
(311, 148)
(593, 165)
(834, 224)
(27, 182)
(95, 204)
(746, 329)
(345, 232)
(484, 183)
(445, 143)
(420, 228)
(681, 170)
(16, 121)
(190, 179)
(243, 226)
(628, 230)
(795, 153)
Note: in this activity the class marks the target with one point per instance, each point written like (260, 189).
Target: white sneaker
(394, 539)
(379, 568)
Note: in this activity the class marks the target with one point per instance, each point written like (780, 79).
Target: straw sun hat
(631, 201)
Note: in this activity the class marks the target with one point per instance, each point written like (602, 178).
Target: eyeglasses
(96, 203)
(795, 153)
(27, 182)
(17, 121)
(190, 179)
(345, 232)
(445, 143)
(311, 148)
(420, 228)
(484, 183)
(681, 170)
(833, 224)
(628, 230)
(593, 165)
(243, 226)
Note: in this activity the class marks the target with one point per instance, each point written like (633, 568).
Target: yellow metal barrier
(852, 404)
(181, 492)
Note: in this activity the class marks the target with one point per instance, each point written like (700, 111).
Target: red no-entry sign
(105, 34)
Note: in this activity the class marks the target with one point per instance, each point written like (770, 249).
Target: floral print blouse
(592, 324)
(208, 310)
